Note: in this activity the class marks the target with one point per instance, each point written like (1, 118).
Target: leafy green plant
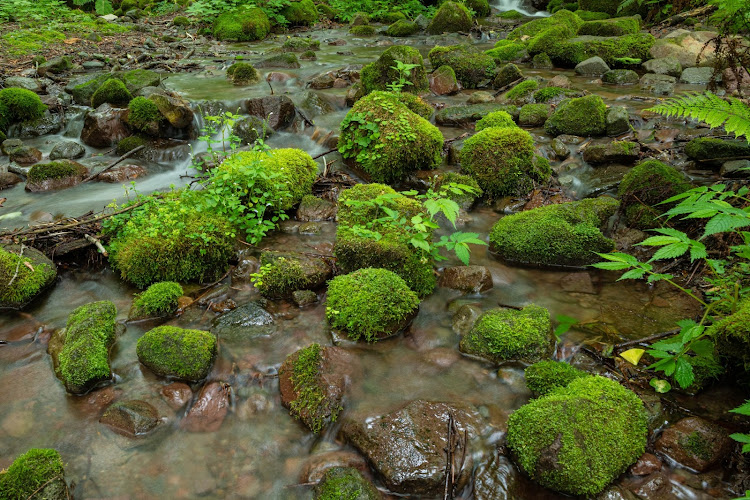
(347, 9)
(208, 9)
(404, 70)
(743, 438)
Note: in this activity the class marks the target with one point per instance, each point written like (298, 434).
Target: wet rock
(313, 208)
(245, 267)
(252, 128)
(560, 149)
(316, 466)
(407, 446)
(323, 81)
(496, 479)
(104, 127)
(23, 155)
(169, 351)
(285, 61)
(697, 76)
(655, 485)
(174, 108)
(67, 150)
(735, 168)
(470, 279)
(620, 77)
(8, 179)
(122, 173)
(245, 322)
(443, 81)
(480, 97)
(341, 482)
(131, 418)
(304, 298)
(177, 395)
(617, 120)
(209, 410)
(29, 283)
(658, 84)
(561, 81)
(464, 319)
(315, 104)
(664, 66)
(577, 283)
(647, 464)
(279, 110)
(458, 116)
(49, 123)
(623, 152)
(694, 443)
(285, 272)
(56, 66)
(55, 175)
(593, 66)
(23, 83)
(310, 228)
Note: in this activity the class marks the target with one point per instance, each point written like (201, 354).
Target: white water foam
(518, 5)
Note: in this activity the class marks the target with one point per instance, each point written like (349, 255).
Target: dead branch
(126, 155)
(18, 266)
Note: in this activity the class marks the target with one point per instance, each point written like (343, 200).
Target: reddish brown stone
(177, 394)
(210, 410)
(647, 464)
(695, 443)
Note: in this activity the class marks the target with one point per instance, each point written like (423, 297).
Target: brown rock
(316, 466)
(578, 283)
(316, 209)
(122, 173)
(53, 183)
(25, 155)
(131, 418)
(647, 464)
(470, 279)
(177, 395)
(561, 81)
(444, 83)
(104, 127)
(210, 410)
(695, 443)
(279, 109)
(8, 179)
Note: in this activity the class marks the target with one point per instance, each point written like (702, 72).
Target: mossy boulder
(611, 27)
(503, 335)
(713, 151)
(360, 19)
(283, 273)
(345, 482)
(506, 51)
(562, 18)
(158, 300)
(497, 119)
(620, 152)
(300, 44)
(55, 175)
(130, 143)
(181, 21)
(144, 115)
(378, 75)
(370, 304)
(17, 105)
(80, 352)
(29, 282)
(567, 235)
(387, 140)
(545, 376)
(243, 25)
(175, 109)
(460, 116)
(732, 337)
(251, 128)
(451, 17)
(605, 6)
(301, 13)
(533, 115)
(242, 73)
(362, 30)
(502, 161)
(286, 60)
(572, 51)
(472, 66)
(521, 93)
(174, 352)
(644, 187)
(583, 116)
(113, 92)
(37, 474)
(402, 28)
(506, 75)
(577, 439)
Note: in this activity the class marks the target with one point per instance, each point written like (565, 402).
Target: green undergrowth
(30, 38)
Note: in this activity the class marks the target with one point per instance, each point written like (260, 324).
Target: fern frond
(715, 111)
(627, 3)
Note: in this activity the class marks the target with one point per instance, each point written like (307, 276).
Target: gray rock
(736, 168)
(131, 418)
(67, 150)
(559, 148)
(245, 322)
(697, 76)
(617, 120)
(658, 84)
(316, 209)
(620, 77)
(50, 123)
(23, 82)
(314, 104)
(664, 66)
(279, 109)
(593, 66)
(93, 65)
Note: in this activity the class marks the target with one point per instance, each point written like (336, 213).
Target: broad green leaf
(684, 373)
(612, 266)
(632, 274)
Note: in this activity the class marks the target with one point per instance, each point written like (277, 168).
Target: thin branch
(18, 266)
(126, 155)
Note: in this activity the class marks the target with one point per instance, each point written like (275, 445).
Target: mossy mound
(507, 51)
(563, 18)
(144, 115)
(28, 283)
(416, 104)
(506, 75)
(169, 351)
(37, 474)
(548, 94)
(572, 51)
(606, 6)
(555, 235)
(181, 21)
(533, 115)
(283, 273)
(130, 143)
(83, 361)
(612, 27)
(471, 66)
(497, 119)
(502, 161)
(387, 140)
(452, 17)
(345, 483)
(370, 304)
(587, 15)
(242, 73)
(509, 335)
(714, 151)
(402, 28)
(379, 74)
(579, 438)
(159, 299)
(481, 8)
(243, 25)
(113, 92)
(55, 175)
(545, 376)
(732, 337)
(300, 44)
(583, 116)
(644, 187)
(17, 105)
(362, 30)
(521, 93)
(301, 13)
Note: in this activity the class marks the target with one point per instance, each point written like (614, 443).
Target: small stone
(304, 297)
(67, 150)
(647, 464)
(480, 97)
(593, 66)
(658, 84)
(310, 228)
(464, 319)
(617, 120)
(470, 279)
(694, 443)
(620, 77)
(131, 418)
(209, 410)
(664, 66)
(177, 395)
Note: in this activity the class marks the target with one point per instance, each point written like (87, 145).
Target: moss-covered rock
(545, 376)
(507, 50)
(612, 27)
(130, 143)
(159, 299)
(370, 304)
(583, 116)
(555, 235)
(345, 482)
(37, 474)
(137, 79)
(181, 21)
(55, 175)
(507, 75)
(326, 12)
(450, 18)
(29, 282)
(19, 105)
(563, 18)
(620, 152)
(360, 19)
(83, 361)
(521, 93)
(533, 115)
(509, 335)
(402, 28)
(362, 30)
(587, 15)
(169, 351)
(579, 438)
(143, 114)
(713, 151)
(481, 8)
(416, 104)
(575, 50)
(542, 61)
(242, 73)
(113, 92)
(644, 187)
(471, 66)
(605, 6)
(460, 116)
(498, 119)
(387, 140)
(243, 25)
(283, 273)
(300, 44)
(301, 13)
(251, 128)
(502, 161)
(732, 337)
(378, 75)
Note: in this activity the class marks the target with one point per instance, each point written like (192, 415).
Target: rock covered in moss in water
(545, 376)
(169, 351)
(451, 17)
(498, 119)
(502, 161)
(300, 13)
(732, 337)
(695, 443)
(19, 105)
(241, 73)
(80, 352)
(533, 115)
(402, 28)
(160, 299)
(507, 75)
(584, 116)
(443, 81)
(712, 151)
(345, 482)
(251, 128)
(37, 474)
(362, 30)
(243, 25)
(28, 283)
(379, 74)
(312, 208)
(577, 439)
(113, 92)
(568, 234)
(174, 109)
(283, 273)
(472, 66)
(506, 51)
(509, 335)
(621, 152)
(143, 114)
(55, 175)
(466, 199)
(611, 27)
(621, 77)
(458, 116)
(521, 93)
(569, 52)
(286, 60)
(387, 140)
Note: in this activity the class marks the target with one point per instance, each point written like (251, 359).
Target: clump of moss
(507, 75)
(561, 18)
(36, 474)
(402, 28)
(452, 17)
(644, 187)
(416, 104)
(301, 13)
(159, 299)
(390, 17)
(281, 274)
(497, 119)
(506, 51)
(144, 114)
(533, 115)
(27, 283)
(387, 140)
(471, 66)
(713, 148)
(299, 44)
(345, 483)
(362, 30)
(548, 93)
(181, 21)
(507, 334)
(370, 303)
(502, 161)
(732, 337)
(545, 376)
(611, 27)
(243, 25)
(379, 74)
(583, 116)
(19, 105)
(83, 361)
(242, 73)
(130, 143)
(579, 438)
(575, 50)
(169, 351)
(591, 16)
(55, 170)
(326, 12)
(113, 92)
(520, 93)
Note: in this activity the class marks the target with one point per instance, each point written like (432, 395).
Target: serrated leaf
(743, 409)
(683, 373)
(633, 274)
(670, 251)
(611, 266)
(633, 356)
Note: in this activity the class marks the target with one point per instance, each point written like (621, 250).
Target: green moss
(563, 18)
(130, 143)
(644, 187)
(533, 115)
(698, 444)
(471, 66)
(511, 14)
(416, 104)
(450, 18)
(242, 73)
(390, 17)
(498, 119)
(27, 283)
(481, 8)
(541, 61)
(548, 93)
(299, 44)
(606, 6)
(506, 51)
(369, 303)
(143, 114)
(243, 25)
(326, 12)
(732, 337)
(30, 473)
(181, 21)
(402, 28)
(159, 299)
(351, 212)
(519, 93)
(378, 75)
(301, 13)
(464, 200)
(584, 116)
(381, 134)
(575, 50)
(169, 351)
(362, 30)
(360, 19)
(502, 161)
(549, 41)
(55, 170)
(345, 483)
(579, 438)
(612, 27)
(507, 75)
(281, 274)
(591, 16)
(21, 104)
(23, 41)
(712, 148)
(294, 170)
(137, 79)
(114, 92)
(555, 235)
(4, 118)
(545, 376)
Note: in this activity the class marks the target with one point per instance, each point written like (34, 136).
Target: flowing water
(521, 6)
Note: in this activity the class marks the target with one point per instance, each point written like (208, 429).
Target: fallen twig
(97, 244)
(126, 155)
(18, 266)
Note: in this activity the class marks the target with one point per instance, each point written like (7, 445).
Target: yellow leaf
(632, 356)
(28, 264)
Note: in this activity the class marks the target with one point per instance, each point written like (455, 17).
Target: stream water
(260, 450)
